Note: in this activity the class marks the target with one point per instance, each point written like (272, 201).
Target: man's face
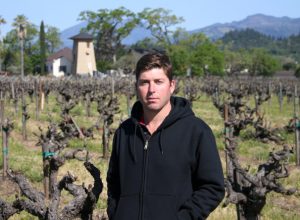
(154, 89)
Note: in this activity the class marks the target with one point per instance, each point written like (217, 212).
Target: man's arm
(113, 180)
(208, 181)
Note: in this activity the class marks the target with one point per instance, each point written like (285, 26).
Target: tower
(84, 61)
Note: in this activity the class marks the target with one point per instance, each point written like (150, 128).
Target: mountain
(277, 27)
(70, 32)
(139, 33)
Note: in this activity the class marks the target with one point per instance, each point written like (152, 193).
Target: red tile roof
(65, 52)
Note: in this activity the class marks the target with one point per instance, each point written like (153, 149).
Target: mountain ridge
(277, 27)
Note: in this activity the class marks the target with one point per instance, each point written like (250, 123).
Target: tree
(10, 49)
(297, 72)
(145, 44)
(109, 27)
(236, 61)
(160, 21)
(289, 66)
(207, 59)
(179, 56)
(21, 30)
(179, 52)
(20, 20)
(247, 39)
(30, 46)
(262, 63)
(2, 21)
(8, 59)
(52, 38)
(197, 53)
(42, 48)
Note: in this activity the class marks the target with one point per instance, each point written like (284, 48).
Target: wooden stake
(280, 96)
(112, 86)
(297, 126)
(78, 129)
(42, 96)
(24, 119)
(1, 112)
(37, 110)
(5, 152)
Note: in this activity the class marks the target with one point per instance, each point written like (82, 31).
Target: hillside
(249, 38)
(277, 27)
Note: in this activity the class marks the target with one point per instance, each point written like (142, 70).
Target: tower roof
(82, 36)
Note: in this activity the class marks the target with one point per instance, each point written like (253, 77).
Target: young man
(164, 163)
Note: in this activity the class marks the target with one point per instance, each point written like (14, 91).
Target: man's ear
(172, 85)
(136, 90)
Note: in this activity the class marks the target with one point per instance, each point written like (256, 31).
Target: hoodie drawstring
(132, 147)
(160, 142)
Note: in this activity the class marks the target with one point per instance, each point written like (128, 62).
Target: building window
(63, 69)
(88, 44)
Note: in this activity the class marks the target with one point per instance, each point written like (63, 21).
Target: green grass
(22, 160)
(253, 152)
(28, 160)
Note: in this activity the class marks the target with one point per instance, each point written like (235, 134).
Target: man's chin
(153, 107)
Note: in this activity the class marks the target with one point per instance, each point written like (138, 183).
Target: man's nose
(151, 87)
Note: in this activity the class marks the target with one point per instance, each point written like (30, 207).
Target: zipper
(146, 145)
(145, 162)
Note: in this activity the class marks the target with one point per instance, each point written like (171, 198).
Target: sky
(196, 13)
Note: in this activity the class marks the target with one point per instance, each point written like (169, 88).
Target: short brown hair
(154, 60)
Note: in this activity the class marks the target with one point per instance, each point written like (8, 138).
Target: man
(164, 163)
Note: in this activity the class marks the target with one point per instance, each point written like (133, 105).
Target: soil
(8, 187)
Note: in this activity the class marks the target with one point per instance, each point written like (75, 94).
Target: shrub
(297, 72)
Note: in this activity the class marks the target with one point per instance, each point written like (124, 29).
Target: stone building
(84, 62)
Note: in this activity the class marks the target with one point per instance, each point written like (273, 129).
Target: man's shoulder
(198, 122)
(127, 123)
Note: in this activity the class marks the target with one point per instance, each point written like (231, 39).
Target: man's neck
(154, 119)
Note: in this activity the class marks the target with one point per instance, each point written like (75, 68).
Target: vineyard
(57, 134)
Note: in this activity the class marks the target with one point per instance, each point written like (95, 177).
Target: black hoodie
(174, 174)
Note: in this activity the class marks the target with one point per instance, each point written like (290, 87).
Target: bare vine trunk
(105, 139)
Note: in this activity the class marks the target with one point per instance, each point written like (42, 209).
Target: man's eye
(143, 82)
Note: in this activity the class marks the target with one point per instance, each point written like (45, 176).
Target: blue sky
(196, 13)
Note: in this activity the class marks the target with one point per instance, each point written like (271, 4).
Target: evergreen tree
(42, 49)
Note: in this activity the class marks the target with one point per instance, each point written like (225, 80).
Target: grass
(26, 157)
(21, 160)
(252, 152)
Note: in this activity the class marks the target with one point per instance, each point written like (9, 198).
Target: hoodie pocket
(128, 208)
(160, 207)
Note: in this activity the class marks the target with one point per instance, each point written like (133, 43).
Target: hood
(181, 108)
